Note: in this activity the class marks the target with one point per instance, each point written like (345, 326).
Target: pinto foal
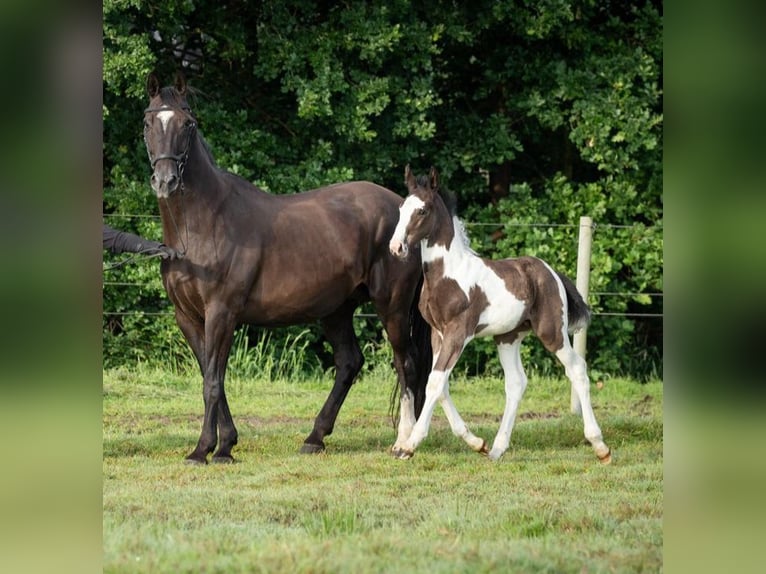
(466, 296)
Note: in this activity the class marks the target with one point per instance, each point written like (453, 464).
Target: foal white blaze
(398, 243)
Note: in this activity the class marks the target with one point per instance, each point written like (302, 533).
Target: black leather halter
(182, 157)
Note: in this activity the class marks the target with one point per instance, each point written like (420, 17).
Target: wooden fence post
(582, 282)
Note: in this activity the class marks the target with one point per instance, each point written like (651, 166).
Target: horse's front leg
(219, 331)
(194, 332)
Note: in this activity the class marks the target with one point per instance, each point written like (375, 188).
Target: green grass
(547, 506)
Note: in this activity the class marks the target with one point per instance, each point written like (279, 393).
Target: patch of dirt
(531, 416)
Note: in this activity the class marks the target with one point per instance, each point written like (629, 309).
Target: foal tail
(579, 312)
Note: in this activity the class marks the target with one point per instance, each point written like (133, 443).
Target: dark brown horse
(466, 296)
(250, 257)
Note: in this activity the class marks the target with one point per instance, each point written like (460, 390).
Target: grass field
(547, 506)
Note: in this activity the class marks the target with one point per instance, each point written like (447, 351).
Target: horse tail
(421, 338)
(419, 358)
(579, 312)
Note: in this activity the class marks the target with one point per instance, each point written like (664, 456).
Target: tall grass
(270, 358)
(546, 506)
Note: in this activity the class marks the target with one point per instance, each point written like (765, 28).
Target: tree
(532, 111)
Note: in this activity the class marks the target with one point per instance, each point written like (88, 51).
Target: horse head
(416, 214)
(169, 129)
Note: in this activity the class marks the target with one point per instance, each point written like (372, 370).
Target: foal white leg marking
(406, 419)
(457, 424)
(576, 372)
(165, 116)
(515, 385)
(575, 408)
(434, 389)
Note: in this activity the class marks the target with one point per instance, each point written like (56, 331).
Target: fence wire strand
(467, 224)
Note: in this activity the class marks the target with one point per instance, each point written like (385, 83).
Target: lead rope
(143, 253)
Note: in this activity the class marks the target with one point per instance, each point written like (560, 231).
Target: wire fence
(362, 315)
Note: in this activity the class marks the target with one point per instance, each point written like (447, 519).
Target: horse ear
(180, 83)
(434, 178)
(409, 179)
(152, 84)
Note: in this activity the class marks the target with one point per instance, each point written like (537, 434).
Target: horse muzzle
(165, 179)
(398, 248)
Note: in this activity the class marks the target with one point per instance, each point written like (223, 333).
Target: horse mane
(207, 149)
(169, 95)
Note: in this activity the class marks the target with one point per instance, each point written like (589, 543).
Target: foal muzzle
(398, 248)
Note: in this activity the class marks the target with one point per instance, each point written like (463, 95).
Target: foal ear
(180, 83)
(409, 179)
(433, 178)
(152, 84)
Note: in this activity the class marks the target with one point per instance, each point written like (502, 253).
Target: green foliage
(533, 112)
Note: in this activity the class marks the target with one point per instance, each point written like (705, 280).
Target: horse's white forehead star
(165, 116)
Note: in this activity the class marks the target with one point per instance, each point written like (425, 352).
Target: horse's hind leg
(397, 327)
(339, 331)
(509, 350)
(577, 373)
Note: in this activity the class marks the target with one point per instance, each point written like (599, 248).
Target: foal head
(417, 216)
(169, 129)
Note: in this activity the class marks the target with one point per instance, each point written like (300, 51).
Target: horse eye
(146, 124)
(422, 211)
(189, 123)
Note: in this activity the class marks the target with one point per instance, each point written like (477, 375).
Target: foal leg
(457, 424)
(339, 331)
(577, 373)
(509, 350)
(446, 350)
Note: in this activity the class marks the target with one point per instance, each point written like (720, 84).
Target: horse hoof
(402, 454)
(607, 458)
(195, 460)
(308, 448)
(223, 459)
(483, 450)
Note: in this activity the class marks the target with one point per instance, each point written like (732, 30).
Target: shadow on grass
(365, 437)
(149, 445)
